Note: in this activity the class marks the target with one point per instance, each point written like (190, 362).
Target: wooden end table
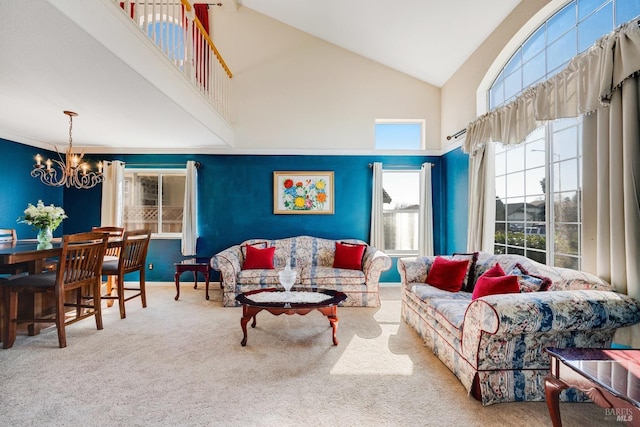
(196, 265)
(294, 302)
(610, 377)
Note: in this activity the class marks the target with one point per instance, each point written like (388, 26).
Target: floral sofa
(495, 344)
(313, 258)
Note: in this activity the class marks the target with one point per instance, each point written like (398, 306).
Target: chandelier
(70, 170)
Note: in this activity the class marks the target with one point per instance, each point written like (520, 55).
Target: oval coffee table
(279, 302)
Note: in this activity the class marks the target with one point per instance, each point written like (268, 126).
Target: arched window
(539, 183)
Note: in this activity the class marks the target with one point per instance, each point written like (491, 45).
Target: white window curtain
(425, 220)
(112, 208)
(603, 84)
(190, 212)
(377, 216)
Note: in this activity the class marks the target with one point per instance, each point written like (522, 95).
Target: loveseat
(495, 343)
(313, 258)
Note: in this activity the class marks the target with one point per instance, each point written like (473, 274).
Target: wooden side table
(196, 265)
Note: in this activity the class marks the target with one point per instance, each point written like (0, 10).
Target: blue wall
(236, 200)
(18, 188)
(456, 196)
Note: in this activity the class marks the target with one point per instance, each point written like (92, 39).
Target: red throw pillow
(494, 282)
(447, 275)
(259, 258)
(349, 256)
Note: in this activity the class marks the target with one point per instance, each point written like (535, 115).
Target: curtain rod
(160, 165)
(171, 4)
(457, 134)
(402, 166)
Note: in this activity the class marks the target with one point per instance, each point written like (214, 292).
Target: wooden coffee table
(610, 377)
(300, 302)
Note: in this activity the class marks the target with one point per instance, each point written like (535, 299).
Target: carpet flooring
(180, 363)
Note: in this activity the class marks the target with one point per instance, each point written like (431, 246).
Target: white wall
(295, 91)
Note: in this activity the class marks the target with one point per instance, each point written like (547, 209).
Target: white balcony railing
(174, 28)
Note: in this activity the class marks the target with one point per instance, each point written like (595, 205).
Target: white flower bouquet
(42, 217)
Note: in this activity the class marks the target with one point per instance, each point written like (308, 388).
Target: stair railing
(174, 28)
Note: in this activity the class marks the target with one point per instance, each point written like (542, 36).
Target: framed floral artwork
(303, 192)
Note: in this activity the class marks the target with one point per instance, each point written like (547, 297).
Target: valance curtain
(602, 84)
(190, 211)
(112, 207)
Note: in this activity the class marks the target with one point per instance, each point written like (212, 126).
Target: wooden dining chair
(9, 236)
(111, 254)
(79, 269)
(132, 258)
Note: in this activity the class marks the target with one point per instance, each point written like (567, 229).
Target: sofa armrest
(542, 312)
(414, 270)
(374, 262)
(229, 263)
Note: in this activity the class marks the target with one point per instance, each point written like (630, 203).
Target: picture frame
(303, 192)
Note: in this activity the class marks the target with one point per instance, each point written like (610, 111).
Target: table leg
(552, 389)
(195, 279)
(247, 314)
(206, 278)
(177, 280)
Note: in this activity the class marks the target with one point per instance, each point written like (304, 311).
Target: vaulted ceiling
(49, 62)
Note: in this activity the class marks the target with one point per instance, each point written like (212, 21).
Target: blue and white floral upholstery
(312, 258)
(495, 344)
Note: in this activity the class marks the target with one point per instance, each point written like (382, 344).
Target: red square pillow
(259, 258)
(494, 282)
(349, 256)
(447, 275)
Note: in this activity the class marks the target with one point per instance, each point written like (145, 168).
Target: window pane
(561, 51)
(567, 262)
(535, 179)
(496, 94)
(500, 164)
(561, 22)
(398, 136)
(534, 70)
(564, 144)
(515, 185)
(513, 84)
(515, 159)
(594, 27)
(585, 7)
(626, 10)
(566, 176)
(141, 211)
(566, 207)
(514, 63)
(533, 45)
(567, 239)
(172, 203)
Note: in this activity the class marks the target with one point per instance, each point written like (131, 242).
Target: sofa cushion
(493, 282)
(530, 282)
(264, 276)
(447, 274)
(349, 255)
(323, 276)
(259, 258)
(470, 277)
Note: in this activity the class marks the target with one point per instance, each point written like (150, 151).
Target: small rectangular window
(154, 199)
(399, 135)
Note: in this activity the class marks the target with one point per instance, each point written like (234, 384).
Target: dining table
(33, 255)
